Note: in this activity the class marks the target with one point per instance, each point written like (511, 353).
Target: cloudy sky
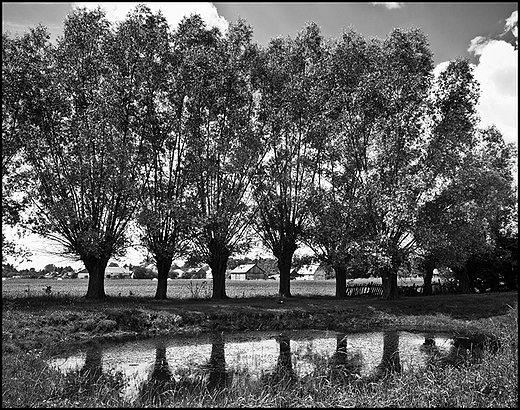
(486, 33)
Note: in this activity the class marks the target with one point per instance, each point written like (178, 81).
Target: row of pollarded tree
(204, 139)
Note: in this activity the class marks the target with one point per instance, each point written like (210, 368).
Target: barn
(249, 271)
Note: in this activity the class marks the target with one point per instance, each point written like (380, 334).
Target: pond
(254, 359)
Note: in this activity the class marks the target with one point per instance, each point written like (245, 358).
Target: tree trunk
(428, 275)
(284, 257)
(96, 277)
(495, 284)
(163, 268)
(341, 281)
(427, 286)
(218, 264)
(284, 266)
(463, 277)
(389, 278)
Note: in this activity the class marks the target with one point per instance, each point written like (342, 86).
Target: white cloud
(173, 11)
(389, 5)
(497, 73)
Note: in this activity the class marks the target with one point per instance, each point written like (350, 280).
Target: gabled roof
(309, 269)
(245, 268)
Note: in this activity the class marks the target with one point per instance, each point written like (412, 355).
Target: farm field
(177, 289)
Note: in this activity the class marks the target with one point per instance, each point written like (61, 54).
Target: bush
(140, 272)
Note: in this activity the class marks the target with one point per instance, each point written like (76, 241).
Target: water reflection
(283, 374)
(159, 368)
(161, 378)
(219, 377)
(83, 381)
(391, 362)
(345, 365)
(462, 350)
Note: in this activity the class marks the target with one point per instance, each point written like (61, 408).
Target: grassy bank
(36, 327)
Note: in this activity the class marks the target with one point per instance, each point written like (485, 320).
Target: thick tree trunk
(428, 275)
(96, 277)
(218, 264)
(463, 277)
(341, 281)
(389, 278)
(495, 284)
(163, 268)
(284, 266)
(284, 257)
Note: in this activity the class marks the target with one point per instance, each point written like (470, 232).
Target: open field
(177, 289)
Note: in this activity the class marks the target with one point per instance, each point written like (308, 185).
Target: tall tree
(486, 184)
(338, 222)
(441, 236)
(145, 57)
(224, 150)
(24, 69)
(393, 184)
(83, 151)
(291, 99)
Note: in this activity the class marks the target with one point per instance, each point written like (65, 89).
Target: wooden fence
(365, 289)
(376, 289)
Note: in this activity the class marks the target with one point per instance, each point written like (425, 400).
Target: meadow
(177, 288)
(38, 322)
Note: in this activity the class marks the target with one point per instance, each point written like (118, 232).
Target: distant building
(111, 272)
(203, 272)
(247, 272)
(313, 272)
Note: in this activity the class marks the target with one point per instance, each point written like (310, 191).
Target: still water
(221, 360)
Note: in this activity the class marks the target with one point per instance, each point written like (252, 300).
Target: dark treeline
(195, 143)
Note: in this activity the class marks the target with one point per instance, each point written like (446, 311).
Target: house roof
(308, 269)
(245, 268)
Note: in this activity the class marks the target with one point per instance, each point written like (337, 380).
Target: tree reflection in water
(390, 363)
(283, 375)
(191, 378)
(161, 381)
(162, 384)
(92, 370)
(462, 350)
(343, 366)
(219, 377)
(89, 380)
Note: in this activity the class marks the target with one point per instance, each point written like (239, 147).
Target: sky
(484, 32)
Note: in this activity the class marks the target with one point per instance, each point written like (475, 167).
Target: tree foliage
(84, 150)
(292, 98)
(203, 138)
(224, 149)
